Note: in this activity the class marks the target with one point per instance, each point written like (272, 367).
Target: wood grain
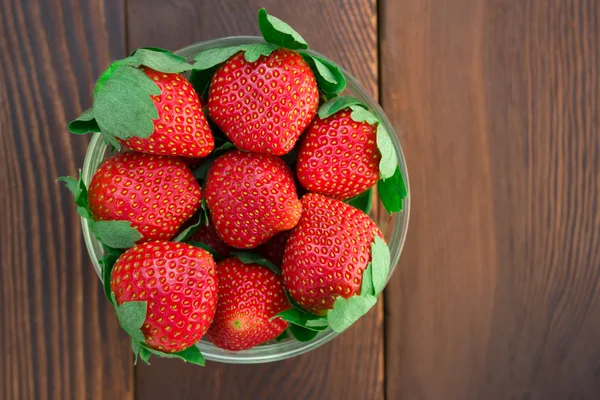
(497, 295)
(58, 337)
(351, 367)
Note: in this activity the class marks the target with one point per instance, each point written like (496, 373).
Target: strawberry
(181, 128)
(155, 193)
(274, 248)
(338, 156)
(251, 198)
(264, 106)
(208, 235)
(327, 252)
(249, 297)
(179, 285)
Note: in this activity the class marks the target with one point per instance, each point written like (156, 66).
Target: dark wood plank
(498, 291)
(59, 338)
(352, 366)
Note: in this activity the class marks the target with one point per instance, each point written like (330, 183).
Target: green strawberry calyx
(276, 34)
(391, 187)
(131, 316)
(122, 106)
(304, 326)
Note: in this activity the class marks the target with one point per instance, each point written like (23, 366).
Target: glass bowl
(393, 227)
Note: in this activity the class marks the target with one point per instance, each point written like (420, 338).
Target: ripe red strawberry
(274, 248)
(249, 296)
(338, 156)
(181, 128)
(327, 252)
(251, 198)
(178, 282)
(209, 236)
(265, 105)
(155, 193)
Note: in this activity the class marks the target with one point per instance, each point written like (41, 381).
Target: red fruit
(179, 284)
(327, 253)
(155, 193)
(274, 248)
(181, 128)
(338, 156)
(251, 198)
(265, 105)
(208, 235)
(249, 296)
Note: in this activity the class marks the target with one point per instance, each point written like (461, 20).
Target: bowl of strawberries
(243, 200)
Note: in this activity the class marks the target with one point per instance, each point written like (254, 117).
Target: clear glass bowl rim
(285, 349)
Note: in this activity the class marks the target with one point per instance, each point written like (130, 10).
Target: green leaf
(84, 212)
(210, 58)
(145, 354)
(361, 114)
(191, 355)
(302, 334)
(77, 188)
(204, 247)
(157, 59)
(111, 141)
(337, 104)
(363, 201)
(330, 78)
(366, 286)
(204, 211)
(324, 72)
(223, 148)
(380, 254)
(345, 312)
(117, 234)
(277, 32)
(136, 347)
(303, 319)
(190, 230)
(392, 191)
(79, 191)
(71, 184)
(389, 161)
(85, 123)
(317, 324)
(284, 335)
(107, 262)
(248, 257)
(122, 103)
(200, 80)
(252, 52)
(132, 315)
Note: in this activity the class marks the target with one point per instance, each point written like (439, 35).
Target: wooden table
(497, 295)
